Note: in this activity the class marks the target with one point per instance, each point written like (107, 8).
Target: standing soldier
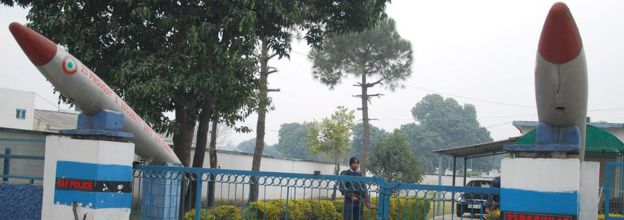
(355, 193)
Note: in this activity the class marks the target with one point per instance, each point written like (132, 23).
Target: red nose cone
(39, 49)
(560, 41)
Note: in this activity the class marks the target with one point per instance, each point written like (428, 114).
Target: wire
(471, 98)
(48, 101)
(499, 124)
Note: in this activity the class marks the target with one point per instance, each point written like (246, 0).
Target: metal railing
(614, 197)
(236, 194)
(17, 166)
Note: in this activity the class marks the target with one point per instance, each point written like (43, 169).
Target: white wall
(242, 161)
(12, 100)
(542, 175)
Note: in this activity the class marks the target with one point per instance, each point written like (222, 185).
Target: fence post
(198, 192)
(383, 201)
(608, 190)
(7, 165)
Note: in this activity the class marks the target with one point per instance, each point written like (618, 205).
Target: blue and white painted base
(91, 176)
(528, 201)
(160, 197)
(562, 187)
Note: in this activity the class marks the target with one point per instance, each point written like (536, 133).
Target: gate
(229, 194)
(613, 191)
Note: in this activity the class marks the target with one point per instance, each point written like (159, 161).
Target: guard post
(88, 171)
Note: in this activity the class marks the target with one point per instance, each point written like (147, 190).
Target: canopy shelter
(599, 142)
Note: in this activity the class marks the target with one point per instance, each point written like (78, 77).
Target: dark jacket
(350, 189)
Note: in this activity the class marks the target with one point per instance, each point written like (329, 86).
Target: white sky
(478, 52)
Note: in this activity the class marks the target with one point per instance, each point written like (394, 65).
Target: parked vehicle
(474, 203)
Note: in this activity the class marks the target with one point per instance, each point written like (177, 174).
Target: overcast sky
(477, 52)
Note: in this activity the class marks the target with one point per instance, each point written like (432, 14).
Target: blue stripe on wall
(91, 171)
(526, 201)
(95, 200)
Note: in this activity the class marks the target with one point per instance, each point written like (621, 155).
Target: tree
(159, 56)
(379, 56)
(247, 146)
(292, 141)
(376, 134)
(393, 159)
(331, 136)
(276, 22)
(443, 123)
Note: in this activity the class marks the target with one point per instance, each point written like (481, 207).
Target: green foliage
(375, 133)
(378, 55)
(495, 215)
(400, 208)
(292, 141)
(297, 209)
(331, 136)
(393, 159)
(162, 56)
(443, 123)
(266, 210)
(249, 146)
(379, 51)
(216, 213)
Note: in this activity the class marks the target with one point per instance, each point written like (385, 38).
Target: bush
(216, 213)
(400, 208)
(493, 215)
(602, 216)
(297, 209)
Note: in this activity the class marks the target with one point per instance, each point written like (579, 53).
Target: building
(17, 110)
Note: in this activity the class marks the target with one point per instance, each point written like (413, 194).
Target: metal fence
(613, 191)
(237, 194)
(22, 160)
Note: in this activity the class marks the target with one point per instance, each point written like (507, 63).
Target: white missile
(561, 73)
(87, 91)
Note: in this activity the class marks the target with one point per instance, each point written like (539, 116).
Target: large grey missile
(561, 73)
(87, 91)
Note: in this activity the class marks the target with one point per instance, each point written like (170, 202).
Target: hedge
(400, 208)
(217, 213)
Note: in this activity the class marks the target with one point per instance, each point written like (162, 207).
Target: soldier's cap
(353, 160)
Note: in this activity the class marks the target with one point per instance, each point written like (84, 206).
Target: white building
(17, 110)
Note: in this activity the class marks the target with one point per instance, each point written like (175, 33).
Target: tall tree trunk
(202, 132)
(262, 109)
(213, 159)
(365, 126)
(182, 140)
(202, 137)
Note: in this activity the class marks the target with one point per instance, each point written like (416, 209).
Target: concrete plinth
(160, 196)
(547, 187)
(90, 178)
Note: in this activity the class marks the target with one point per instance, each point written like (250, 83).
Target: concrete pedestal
(160, 196)
(87, 177)
(546, 187)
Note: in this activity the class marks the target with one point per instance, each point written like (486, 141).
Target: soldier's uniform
(352, 210)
